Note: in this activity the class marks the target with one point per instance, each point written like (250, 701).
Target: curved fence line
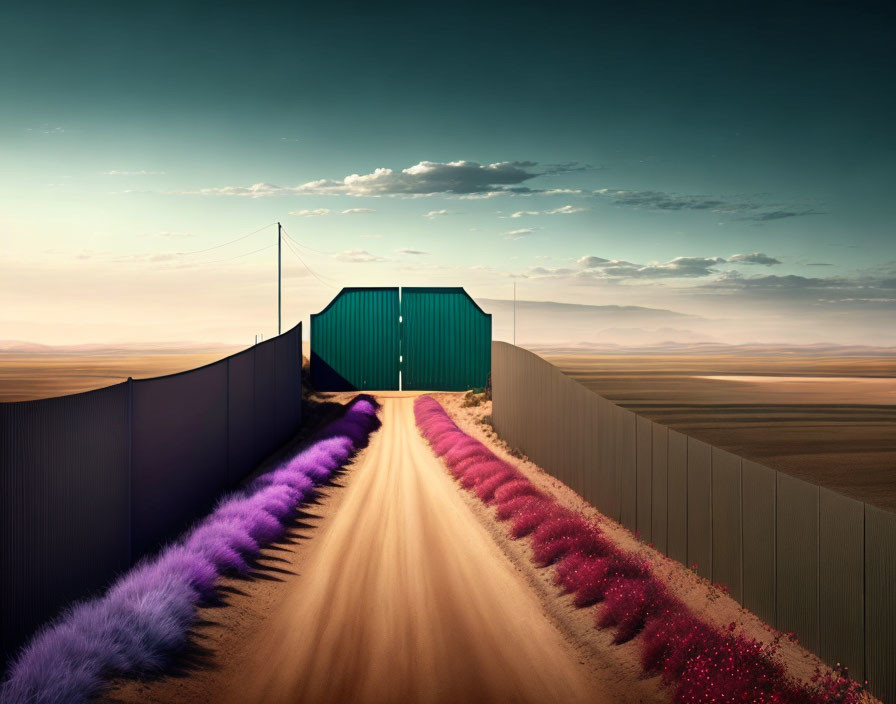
(138, 626)
(91, 482)
(805, 559)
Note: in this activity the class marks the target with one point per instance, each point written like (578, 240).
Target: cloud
(357, 211)
(658, 200)
(410, 251)
(46, 129)
(436, 213)
(466, 179)
(174, 234)
(779, 215)
(736, 280)
(565, 210)
(680, 267)
(562, 210)
(754, 258)
(142, 172)
(593, 268)
(591, 262)
(310, 213)
(517, 234)
(359, 256)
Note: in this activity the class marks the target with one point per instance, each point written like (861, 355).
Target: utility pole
(279, 276)
(514, 313)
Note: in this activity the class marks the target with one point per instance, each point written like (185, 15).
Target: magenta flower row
(700, 662)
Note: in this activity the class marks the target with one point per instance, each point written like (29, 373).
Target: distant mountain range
(491, 305)
(546, 322)
(550, 327)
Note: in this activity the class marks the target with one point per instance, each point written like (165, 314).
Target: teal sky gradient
(737, 130)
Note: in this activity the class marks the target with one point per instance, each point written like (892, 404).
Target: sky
(728, 162)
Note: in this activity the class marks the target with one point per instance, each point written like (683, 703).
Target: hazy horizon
(539, 325)
(733, 167)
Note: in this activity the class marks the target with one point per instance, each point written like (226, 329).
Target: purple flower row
(145, 616)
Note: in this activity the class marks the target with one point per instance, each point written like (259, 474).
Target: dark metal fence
(91, 482)
(803, 558)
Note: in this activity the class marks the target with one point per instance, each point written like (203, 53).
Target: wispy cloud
(779, 215)
(46, 129)
(596, 268)
(141, 172)
(754, 258)
(562, 210)
(310, 213)
(736, 280)
(357, 211)
(519, 234)
(659, 200)
(415, 252)
(436, 213)
(359, 256)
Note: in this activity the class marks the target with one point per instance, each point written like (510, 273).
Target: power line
(224, 244)
(238, 256)
(303, 246)
(310, 271)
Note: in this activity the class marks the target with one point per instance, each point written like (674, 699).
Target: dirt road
(405, 598)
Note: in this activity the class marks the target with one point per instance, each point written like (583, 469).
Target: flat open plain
(24, 377)
(828, 420)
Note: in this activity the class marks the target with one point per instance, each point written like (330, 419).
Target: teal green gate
(446, 340)
(355, 341)
(423, 339)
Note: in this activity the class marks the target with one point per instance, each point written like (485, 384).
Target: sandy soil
(831, 421)
(699, 594)
(29, 376)
(400, 595)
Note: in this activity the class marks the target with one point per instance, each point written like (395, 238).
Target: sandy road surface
(405, 598)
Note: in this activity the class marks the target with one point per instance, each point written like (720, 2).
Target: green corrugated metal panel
(355, 341)
(446, 340)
